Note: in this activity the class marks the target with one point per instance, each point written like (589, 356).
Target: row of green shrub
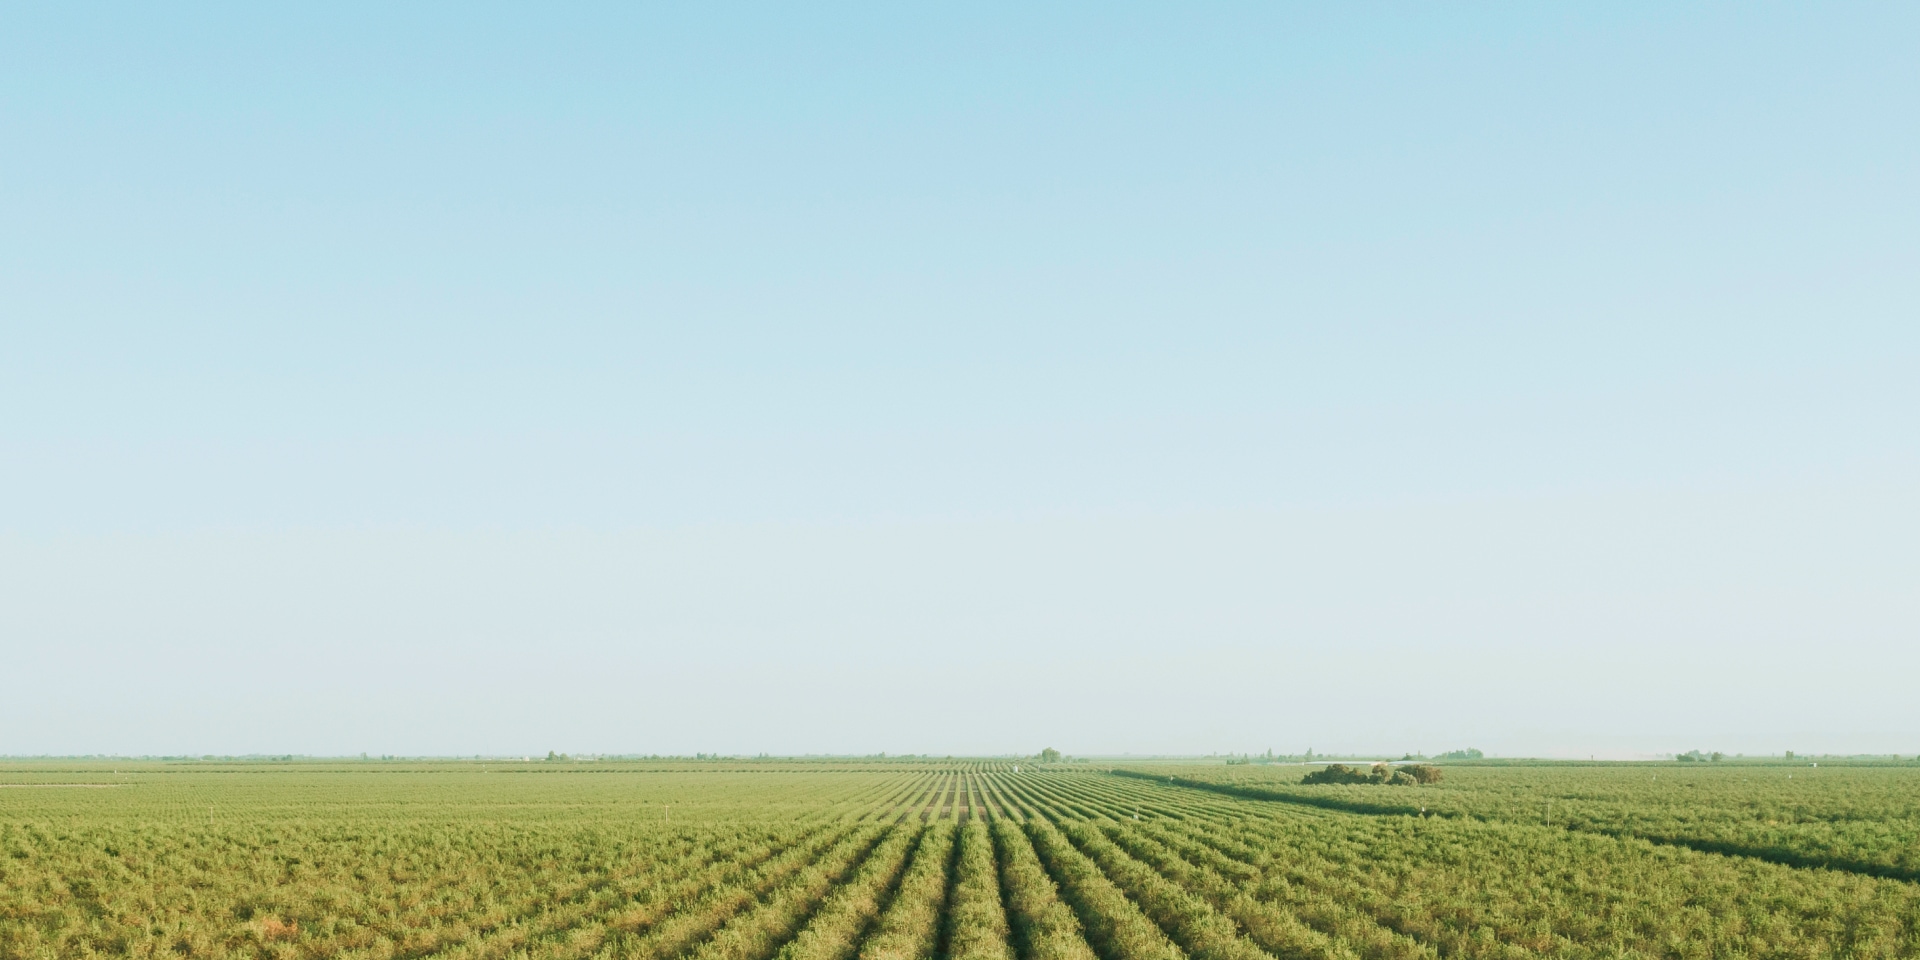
(1403, 776)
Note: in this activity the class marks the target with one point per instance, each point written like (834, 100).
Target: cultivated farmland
(965, 860)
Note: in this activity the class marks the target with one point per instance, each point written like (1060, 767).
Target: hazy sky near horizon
(456, 378)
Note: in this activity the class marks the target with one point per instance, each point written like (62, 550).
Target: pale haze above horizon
(959, 378)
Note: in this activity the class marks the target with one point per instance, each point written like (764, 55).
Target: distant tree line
(1404, 776)
(1695, 756)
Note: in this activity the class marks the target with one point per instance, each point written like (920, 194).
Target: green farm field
(774, 860)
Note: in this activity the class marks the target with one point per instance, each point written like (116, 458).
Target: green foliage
(1336, 773)
(1047, 928)
(1391, 886)
(1380, 773)
(1422, 772)
(915, 860)
(1695, 756)
(1114, 925)
(833, 932)
(1185, 915)
(911, 925)
(976, 922)
(1862, 817)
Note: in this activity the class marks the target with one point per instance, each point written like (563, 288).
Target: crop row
(371, 886)
(1860, 818)
(970, 862)
(1309, 883)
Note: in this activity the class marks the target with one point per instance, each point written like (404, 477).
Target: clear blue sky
(959, 378)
